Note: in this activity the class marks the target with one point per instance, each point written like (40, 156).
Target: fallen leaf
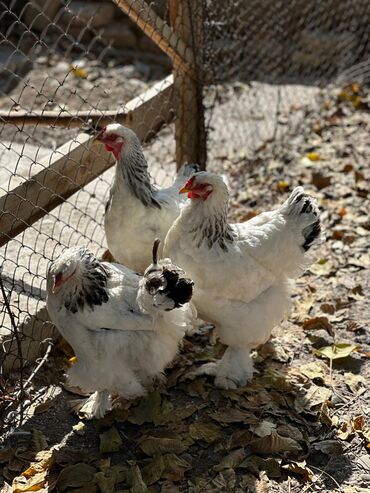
(313, 156)
(318, 323)
(147, 410)
(313, 371)
(36, 476)
(38, 441)
(207, 432)
(336, 351)
(175, 415)
(255, 464)
(320, 181)
(275, 443)
(264, 428)
(136, 481)
(66, 456)
(152, 472)
(232, 460)
(283, 186)
(239, 438)
(311, 397)
(301, 469)
(174, 467)
(322, 268)
(356, 383)
(79, 72)
(287, 430)
(6, 453)
(234, 415)
(110, 441)
(160, 445)
(329, 447)
(75, 476)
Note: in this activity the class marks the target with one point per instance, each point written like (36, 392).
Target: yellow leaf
(313, 156)
(73, 360)
(337, 351)
(283, 185)
(35, 477)
(79, 72)
(321, 268)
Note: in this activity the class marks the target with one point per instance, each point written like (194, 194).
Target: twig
(18, 342)
(41, 362)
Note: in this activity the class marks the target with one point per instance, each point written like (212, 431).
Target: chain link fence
(243, 75)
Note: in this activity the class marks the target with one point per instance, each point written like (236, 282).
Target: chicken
(242, 273)
(124, 328)
(137, 212)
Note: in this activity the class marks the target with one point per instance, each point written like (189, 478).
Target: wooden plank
(78, 162)
(160, 33)
(62, 118)
(186, 17)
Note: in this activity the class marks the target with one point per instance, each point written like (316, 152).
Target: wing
(121, 311)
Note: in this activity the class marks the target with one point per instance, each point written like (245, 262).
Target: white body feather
(141, 341)
(131, 226)
(244, 290)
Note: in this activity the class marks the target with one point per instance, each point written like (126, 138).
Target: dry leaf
(329, 447)
(336, 351)
(275, 443)
(318, 323)
(301, 469)
(232, 460)
(208, 432)
(356, 383)
(136, 481)
(313, 371)
(255, 464)
(152, 472)
(313, 156)
(36, 476)
(264, 428)
(313, 396)
(321, 268)
(234, 415)
(110, 441)
(158, 445)
(147, 410)
(75, 476)
(174, 467)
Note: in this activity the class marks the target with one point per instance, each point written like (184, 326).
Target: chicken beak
(58, 281)
(184, 190)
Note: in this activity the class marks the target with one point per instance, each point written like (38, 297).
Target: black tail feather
(310, 234)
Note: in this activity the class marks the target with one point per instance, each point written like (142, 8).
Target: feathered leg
(233, 370)
(97, 405)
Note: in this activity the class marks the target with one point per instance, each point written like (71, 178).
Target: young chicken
(242, 272)
(137, 212)
(124, 328)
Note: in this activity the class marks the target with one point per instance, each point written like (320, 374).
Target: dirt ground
(302, 424)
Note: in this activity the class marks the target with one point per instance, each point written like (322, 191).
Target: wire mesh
(257, 68)
(65, 58)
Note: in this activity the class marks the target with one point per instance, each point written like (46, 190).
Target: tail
(302, 209)
(162, 287)
(184, 173)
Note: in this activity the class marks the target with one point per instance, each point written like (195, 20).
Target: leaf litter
(303, 420)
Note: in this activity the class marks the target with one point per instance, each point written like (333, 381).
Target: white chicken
(242, 272)
(137, 212)
(124, 328)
